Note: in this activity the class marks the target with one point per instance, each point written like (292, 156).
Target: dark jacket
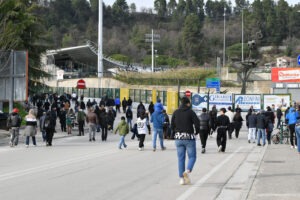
(278, 113)
(204, 121)
(252, 120)
(238, 121)
(223, 121)
(261, 121)
(184, 119)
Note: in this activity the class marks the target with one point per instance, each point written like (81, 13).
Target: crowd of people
(183, 127)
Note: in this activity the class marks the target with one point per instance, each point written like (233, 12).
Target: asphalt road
(74, 168)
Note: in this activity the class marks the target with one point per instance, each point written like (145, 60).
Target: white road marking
(194, 187)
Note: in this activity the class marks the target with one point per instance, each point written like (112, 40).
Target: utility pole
(11, 74)
(224, 44)
(153, 38)
(100, 40)
(242, 34)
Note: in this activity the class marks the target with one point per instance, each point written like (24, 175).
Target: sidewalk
(278, 176)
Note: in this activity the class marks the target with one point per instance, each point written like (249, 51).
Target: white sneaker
(181, 181)
(186, 178)
(141, 149)
(292, 147)
(27, 146)
(220, 148)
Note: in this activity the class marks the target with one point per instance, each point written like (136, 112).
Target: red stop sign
(81, 84)
(188, 93)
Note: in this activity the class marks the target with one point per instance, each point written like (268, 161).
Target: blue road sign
(213, 83)
(298, 60)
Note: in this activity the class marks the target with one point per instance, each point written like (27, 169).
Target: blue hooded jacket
(292, 116)
(158, 118)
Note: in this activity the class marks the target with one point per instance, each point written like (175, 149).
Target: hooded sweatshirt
(158, 119)
(292, 116)
(123, 128)
(184, 120)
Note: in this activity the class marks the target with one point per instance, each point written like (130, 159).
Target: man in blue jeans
(184, 122)
(261, 125)
(158, 119)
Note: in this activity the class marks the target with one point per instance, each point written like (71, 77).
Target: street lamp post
(100, 40)
(224, 44)
(242, 34)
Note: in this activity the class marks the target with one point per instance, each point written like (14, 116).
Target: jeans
(14, 136)
(298, 137)
(104, 133)
(80, 127)
(142, 139)
(159, 132)
(261, 134)
(251, 134)
(92, 130)
(122, 141)
(278, 122)
(33, 140)
(183, 147)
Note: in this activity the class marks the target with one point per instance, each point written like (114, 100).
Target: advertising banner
(220, 100)
(278, 100)
(246, 101)
(285, 74)
(199, 101)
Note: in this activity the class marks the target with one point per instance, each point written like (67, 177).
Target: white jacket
(142, 126)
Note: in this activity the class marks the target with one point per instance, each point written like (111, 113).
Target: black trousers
(203, 137)
(221, 138)
(104, 133)
(292, 134)
(237, 132)
(230, 130)
(80, 127)
(49, 136)
(142, 139)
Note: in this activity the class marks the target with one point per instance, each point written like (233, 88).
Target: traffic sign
(213, 83)
(187, 93)
(298, 60)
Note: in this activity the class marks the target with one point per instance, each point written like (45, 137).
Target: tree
(120, 11)
(132, 8)
(199, 9)
(189, 7)
(192, 37)
(160, 7)
(22, 29)
(171, 7)
(82, 11)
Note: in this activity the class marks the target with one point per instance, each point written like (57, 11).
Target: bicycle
(282, 135)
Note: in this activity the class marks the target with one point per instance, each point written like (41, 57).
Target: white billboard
(246, 101)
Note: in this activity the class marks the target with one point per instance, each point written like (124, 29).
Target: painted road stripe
(194, 187)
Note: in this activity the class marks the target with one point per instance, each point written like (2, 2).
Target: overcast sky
(149, 3)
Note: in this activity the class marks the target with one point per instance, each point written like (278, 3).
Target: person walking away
(14, 121)
(92, 121)
(129, 102)
(297, 130)
(270, 118)
(278, 115)
(223, 123)
(70, 120)
(142, 129)
(129, 116)
(151, 108)
(111, 115)
(31, 127)
(230, 115)
(42, 128)
(252, 121)
(49, 125)
(103, 123)
(213, 118)
(261, 125)
(166, 128)
(117, 104)
(124, 104)
(204, 128)
(238, 123)
(62, 119)
(134, 131)
(141, 108)
(292, 119)
(158, 119)
(185, 124)
(123, 129)
(238, 109)
(80, 119)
